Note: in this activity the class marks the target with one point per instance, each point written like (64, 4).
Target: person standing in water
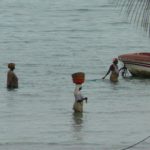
(124, 71)
(113, 69)
(12, 79)
(78, 104)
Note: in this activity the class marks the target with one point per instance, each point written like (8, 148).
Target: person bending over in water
(113, 69)
(78, 104)
(124, 71)
(12, 79)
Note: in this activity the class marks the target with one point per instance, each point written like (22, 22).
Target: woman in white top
(78, 104)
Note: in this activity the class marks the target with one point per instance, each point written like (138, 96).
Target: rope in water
(136, 143)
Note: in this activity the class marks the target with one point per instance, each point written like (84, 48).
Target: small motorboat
(138, 64)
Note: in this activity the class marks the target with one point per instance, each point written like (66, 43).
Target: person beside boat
(113, 71)
(79, 98)
(12, 79)
(124, 71)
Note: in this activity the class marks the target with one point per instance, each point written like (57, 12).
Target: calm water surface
(51, 39)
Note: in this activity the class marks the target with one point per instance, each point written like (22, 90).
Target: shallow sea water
(49, 40)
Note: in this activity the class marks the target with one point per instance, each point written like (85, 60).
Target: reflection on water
(78, 118)
(77, 126)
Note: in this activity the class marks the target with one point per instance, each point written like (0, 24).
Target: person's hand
(86, 99)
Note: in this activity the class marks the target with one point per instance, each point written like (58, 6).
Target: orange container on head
(78, 77)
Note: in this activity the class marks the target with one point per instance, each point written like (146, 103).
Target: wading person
(78, 104)
(113, 69)
(12, 79)
(124, 71)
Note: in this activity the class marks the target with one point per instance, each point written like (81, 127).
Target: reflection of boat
(138, 64)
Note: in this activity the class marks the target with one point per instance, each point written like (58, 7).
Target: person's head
(80, 88)
(11, 66)
(115, 61)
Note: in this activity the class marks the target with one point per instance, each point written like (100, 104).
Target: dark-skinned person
(79, 98)
(12, 79)
(113, 71)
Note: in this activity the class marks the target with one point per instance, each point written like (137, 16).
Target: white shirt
(77, 93)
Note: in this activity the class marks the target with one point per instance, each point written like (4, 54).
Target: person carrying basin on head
(79, 98)
(78, 78)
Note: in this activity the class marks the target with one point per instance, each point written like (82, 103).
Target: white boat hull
(138, 64)
(138, 70)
